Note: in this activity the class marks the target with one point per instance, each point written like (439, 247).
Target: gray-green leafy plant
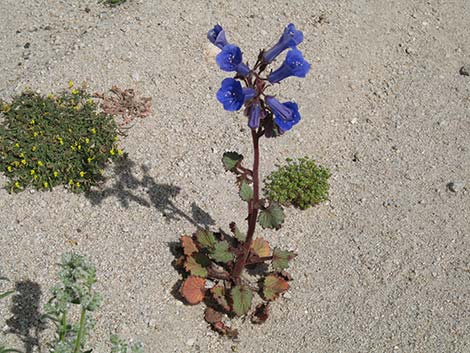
(113, 3)
(77, 276)
(121, 346)
(4, 349)
(300, 183)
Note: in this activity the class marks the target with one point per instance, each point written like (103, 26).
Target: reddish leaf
(273, 286)
(218, 292)
(188, 245)
(223, 329)
(212, 316)
(261, 313)
(193, 289)
(260, 247)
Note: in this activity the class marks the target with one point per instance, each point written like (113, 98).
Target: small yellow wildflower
(70, 84)
(16, 164)
(111, 152)
(87, 140)
(82, 174)
(17, 184)
(77, 184)
(77, 107)
(35, 177)
(34, 148)
(50, 96)
(32, 122)
(93, 131)
(116, 138)
(9, 168)
(90, 159)
(17, 145)
(61, 141)
(75, 91)
(40, 163)
(46, 184)
(119, 151)
(35, 134)
(89, 101)
(56, 173)
(23, 161)
(79, 147)
(70, 182)
(73, 148)
(32, 172)
(6, 108)
(22, 154)
(101, 171)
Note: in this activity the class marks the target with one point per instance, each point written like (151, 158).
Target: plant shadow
(26, 321)
(128, 186)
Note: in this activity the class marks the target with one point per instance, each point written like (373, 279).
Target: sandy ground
(383, 267)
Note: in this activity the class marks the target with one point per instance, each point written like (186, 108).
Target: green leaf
(206, 239)
(197, 264)
(8, 350)
(236, 232)
(221, 252)
(6, 294)
(271, 217)
(230, 160)
(273, 286)
(218, 292)
(241, 298)
(246, 192)
(281, 259)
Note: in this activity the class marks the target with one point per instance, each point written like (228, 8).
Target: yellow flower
(46, 184)
(34, 148)
(22, 155)
(9, 168)
(6, 108)
(16, 164)
(32, 172)
(70, 84)
(35, 134)
(82, 174)
(23, 161)
(75, 91)
(79, 147)
(17, 184)
(17, 145)
(32, 122)
(50, 96)
(77, 107)
(89, 101)
(90, 159)
(56, 173)
(77, 184)
(73, 148)
(70, 182)
(119, 151)
(93, 131)
(40, 163)
(101, 171)
(111, 152)
(87, 140)
(116, 138)
(61, 141)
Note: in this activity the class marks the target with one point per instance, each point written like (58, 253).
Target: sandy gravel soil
(383, 267)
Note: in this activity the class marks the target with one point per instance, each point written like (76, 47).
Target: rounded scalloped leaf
(273, 286)
(246, 191)
(260, 247)
(197, 264)
(221, 252)
(188, 245)
(231, 159)
(271, 217)
(193, 289)
(241, 298)
(281, 259)
(206, 238)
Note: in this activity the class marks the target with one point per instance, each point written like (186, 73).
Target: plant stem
(253, 206)
(81, 328)
(63, 326)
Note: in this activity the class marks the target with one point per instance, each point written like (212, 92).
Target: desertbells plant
(214, 263)
(55, 140)
(300, 183)
(121, 346)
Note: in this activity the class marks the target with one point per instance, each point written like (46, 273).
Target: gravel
(367, 278)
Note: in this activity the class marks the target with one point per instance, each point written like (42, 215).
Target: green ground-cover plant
(231, 272)
(121, 346)
(300, 183)
(53, 140)
(112, 3)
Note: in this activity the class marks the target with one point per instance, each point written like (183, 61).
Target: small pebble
(465, 70)
(456, 186)
(190, 342)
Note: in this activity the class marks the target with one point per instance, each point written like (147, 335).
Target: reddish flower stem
(253, 206)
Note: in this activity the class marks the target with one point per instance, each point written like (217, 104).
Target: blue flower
(294, 65)
(217, 36)
(256, 114)
(232, 95)
(286, 115)
(289, 39)
(230, 59)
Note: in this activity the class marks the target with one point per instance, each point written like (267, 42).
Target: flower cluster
(263, 111)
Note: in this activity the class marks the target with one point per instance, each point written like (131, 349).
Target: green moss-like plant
(113, 3)
(300, 183)
(55, 140)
